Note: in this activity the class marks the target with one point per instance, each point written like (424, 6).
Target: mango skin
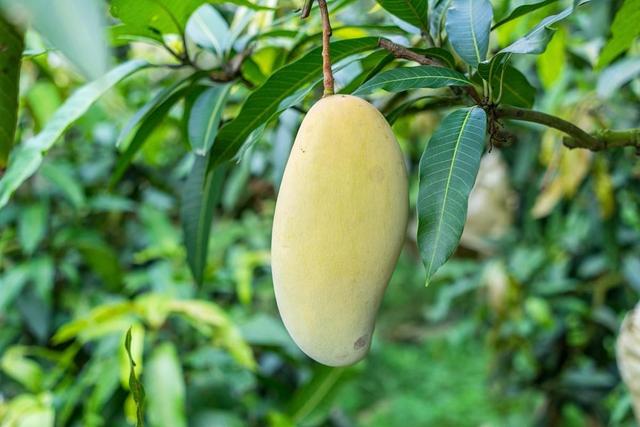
(339, 225)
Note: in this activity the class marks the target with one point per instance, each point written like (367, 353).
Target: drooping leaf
(448, 170)
(552, 63)
(468, 26)
(201, 193)
(424, 76)
(164, 383)
(11, 46)
(437, 15)
(208, 29)
(536, 40)
(136, 387)
(624, 29)
(27, 158)
(62, 176)
(413, 12)
(522, 10)
(281, 90)
(152, 117)
(75, 27)
(205, 116)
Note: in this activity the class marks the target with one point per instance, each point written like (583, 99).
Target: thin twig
(402, 52)
(326, 50)
(306, 9)
(578, 138)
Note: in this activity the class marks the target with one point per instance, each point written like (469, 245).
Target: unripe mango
(339, 225)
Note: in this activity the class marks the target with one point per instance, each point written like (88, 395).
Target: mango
(339, 225)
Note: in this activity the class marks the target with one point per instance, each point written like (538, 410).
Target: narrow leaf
(617, 75)
(521, 11)
(437, 16)
(29, 157)
(149, 123)
(468, 26)
(448, 170)
(536, 40)
(205, 116)
(413, 12)
(11, 46)
(278, 92)
(137, 390)
(425, 76)
(201, 193)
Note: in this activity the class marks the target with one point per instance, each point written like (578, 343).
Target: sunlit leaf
(28, 156)
(617, 75)
(468, 26)
(161, 16)
(208, 29)
(448, 170)
(624, 30)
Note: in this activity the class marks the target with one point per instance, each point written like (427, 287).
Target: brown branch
(306, 9)
(402, 52)
(232, 69)
(326, 50)
(577, 138)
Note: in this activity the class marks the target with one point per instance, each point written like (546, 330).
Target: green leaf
(207, 28)
(437, 16)
(521, 11)
(315, 394)
(372, 64)
(468, 26)
(413, 12)
(11, 46)
(149, 117)
(508, 85)
(75, 27)
(137, 390)
(159, 16)
(201, 193)
(448, 170)
(439, 54)
(28, 156)
(281, 90)
(205, 116)
(164, 382)
(536, 40)
(424, 76)
(63, 177)
(624, 29)
(617, 75)
(32, 225)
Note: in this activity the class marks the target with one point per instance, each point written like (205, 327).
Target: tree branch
(402, 52)
(577, 138)
(326, 50)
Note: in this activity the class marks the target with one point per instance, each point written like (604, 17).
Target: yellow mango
(339, 225)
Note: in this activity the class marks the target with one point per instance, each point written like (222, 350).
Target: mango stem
(326, 53)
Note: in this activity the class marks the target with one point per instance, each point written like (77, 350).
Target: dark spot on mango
(360, 342)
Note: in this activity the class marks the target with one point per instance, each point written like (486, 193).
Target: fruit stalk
(326, 52)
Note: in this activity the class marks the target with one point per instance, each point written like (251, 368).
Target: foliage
(137, 205)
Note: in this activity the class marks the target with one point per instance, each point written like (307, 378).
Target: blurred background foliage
(517, 329)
